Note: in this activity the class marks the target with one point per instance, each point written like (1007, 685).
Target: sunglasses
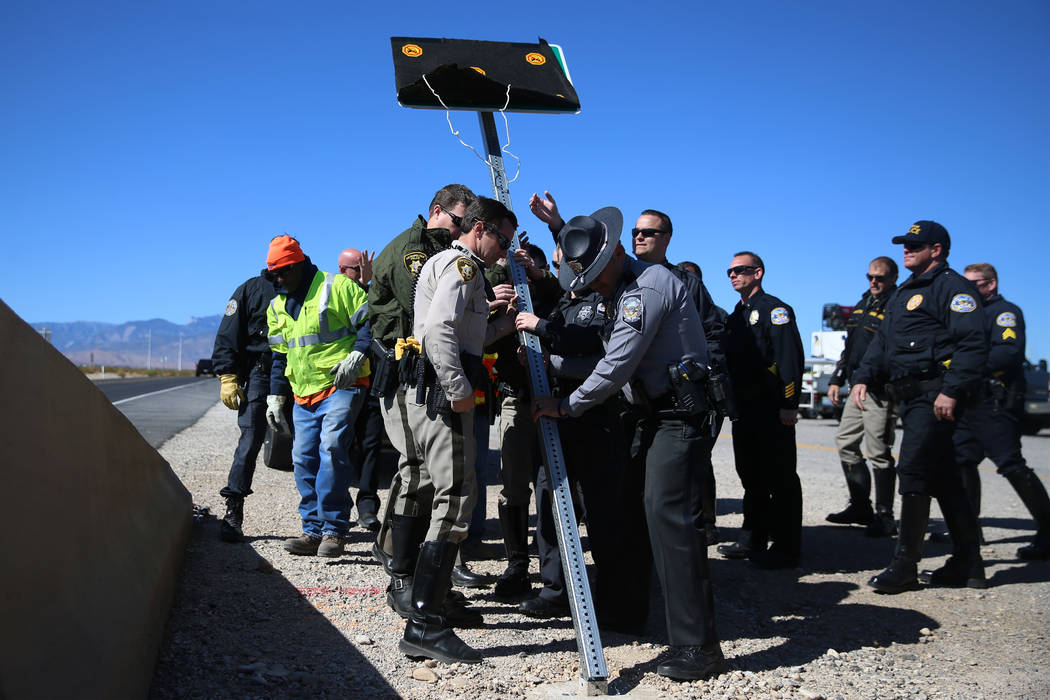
(741, 270)
(504, 242)
(915, 247)
(646, 232)
(282, 271)
(878, 278)
(350, 267)
(457, 221)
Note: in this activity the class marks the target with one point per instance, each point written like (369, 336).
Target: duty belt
(908, 388)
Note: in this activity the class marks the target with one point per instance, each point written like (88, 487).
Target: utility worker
(992, 424)
(317, 326)
(451, 326)
(368, 429)
(877, 423)
(242, 359)
(654, 350)
(929, 353)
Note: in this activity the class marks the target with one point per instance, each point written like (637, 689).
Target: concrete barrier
(93, 527)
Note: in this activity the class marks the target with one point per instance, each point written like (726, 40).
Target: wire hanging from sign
(505, 148)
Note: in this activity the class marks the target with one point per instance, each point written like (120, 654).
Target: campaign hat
(587, 245)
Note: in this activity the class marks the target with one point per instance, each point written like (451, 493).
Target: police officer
(655, 350)
(929, 353)
(242, 359)
(764, 352)
(991, 425)
(877, 423)
(451, 326)
(390, 304)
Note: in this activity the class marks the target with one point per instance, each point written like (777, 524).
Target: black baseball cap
(925, 232)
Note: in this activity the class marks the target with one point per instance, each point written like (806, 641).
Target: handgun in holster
(687, 381)
(720, 392)
(384, 370)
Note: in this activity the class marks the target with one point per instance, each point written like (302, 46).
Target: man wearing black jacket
(929, 354)
(242, 360)
(876, 423)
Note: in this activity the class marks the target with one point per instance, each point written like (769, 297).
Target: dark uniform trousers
(662, 455)
(990, 429)
(367, 442)
(251, 419)
(767, 464)
(594, 452)
(927, 458)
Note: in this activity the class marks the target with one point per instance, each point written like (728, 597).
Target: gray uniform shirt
(451, 315)
(656, 325)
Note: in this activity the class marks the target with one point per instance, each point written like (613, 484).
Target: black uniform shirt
(573, 333)
(764, 352)
(242, 335)
(861, 328)
(934, 321)
(1006, 339)
(712, 318)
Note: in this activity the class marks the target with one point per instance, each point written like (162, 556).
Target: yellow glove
(230, 392)
(405, 344)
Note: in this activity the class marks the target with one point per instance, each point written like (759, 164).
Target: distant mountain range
(153, 343)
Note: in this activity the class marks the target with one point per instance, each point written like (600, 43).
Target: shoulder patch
(963, 303)
(914, 302)
(1009, 334)
(231, 307)
(779, 316)
(632, 312)
(601, 308)
(753, 318)
(414, 262)
(467, 269)
(1006, 319)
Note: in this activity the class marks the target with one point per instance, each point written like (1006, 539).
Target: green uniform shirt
(394, 274)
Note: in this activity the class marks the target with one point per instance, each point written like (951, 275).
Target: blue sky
(150, 150)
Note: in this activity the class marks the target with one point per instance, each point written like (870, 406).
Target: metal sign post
(593, 672)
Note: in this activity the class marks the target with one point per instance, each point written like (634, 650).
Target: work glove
(345, 372)
(230, 392)
(275, 414)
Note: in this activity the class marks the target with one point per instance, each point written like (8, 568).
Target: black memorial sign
(474, 75)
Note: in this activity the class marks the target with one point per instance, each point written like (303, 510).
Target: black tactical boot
(882, 524)
(406, 534)
(694, 664)
(514, 522)
(858, 480)
(230, 525)
(1033, 495)
(741, 549)
(965, 566)
(427, 633)
(465, 578)
(902, 573)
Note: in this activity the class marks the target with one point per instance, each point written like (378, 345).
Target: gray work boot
(331, 546)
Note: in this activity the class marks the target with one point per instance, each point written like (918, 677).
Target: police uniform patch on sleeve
(779, 316)
(601, 308)
(633, 313)
(1006, 319)
(231, 307)
(914, 302)
(1009, 334)
(753, 318)
(963, 303)
(467, 269)
(414, 262)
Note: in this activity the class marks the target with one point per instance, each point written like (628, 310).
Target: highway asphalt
(161, 406)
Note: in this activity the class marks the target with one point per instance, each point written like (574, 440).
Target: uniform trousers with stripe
(447, 449)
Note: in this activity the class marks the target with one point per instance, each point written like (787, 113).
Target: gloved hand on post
(275, 413)
(230, 392)
(345, 372)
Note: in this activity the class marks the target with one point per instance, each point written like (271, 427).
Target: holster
(384, 370)
(688, 395)
(720, 393)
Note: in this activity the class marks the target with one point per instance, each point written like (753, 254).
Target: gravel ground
(250, 620)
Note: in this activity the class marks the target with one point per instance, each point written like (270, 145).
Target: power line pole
(149, 349)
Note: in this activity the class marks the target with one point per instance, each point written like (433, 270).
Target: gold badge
(412, 50)
(914, 302)
(753, 318)
(467, 269)
(414, 262)
(915, 230)
(535, 59)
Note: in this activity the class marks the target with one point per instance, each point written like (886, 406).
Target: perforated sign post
(486, 76)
